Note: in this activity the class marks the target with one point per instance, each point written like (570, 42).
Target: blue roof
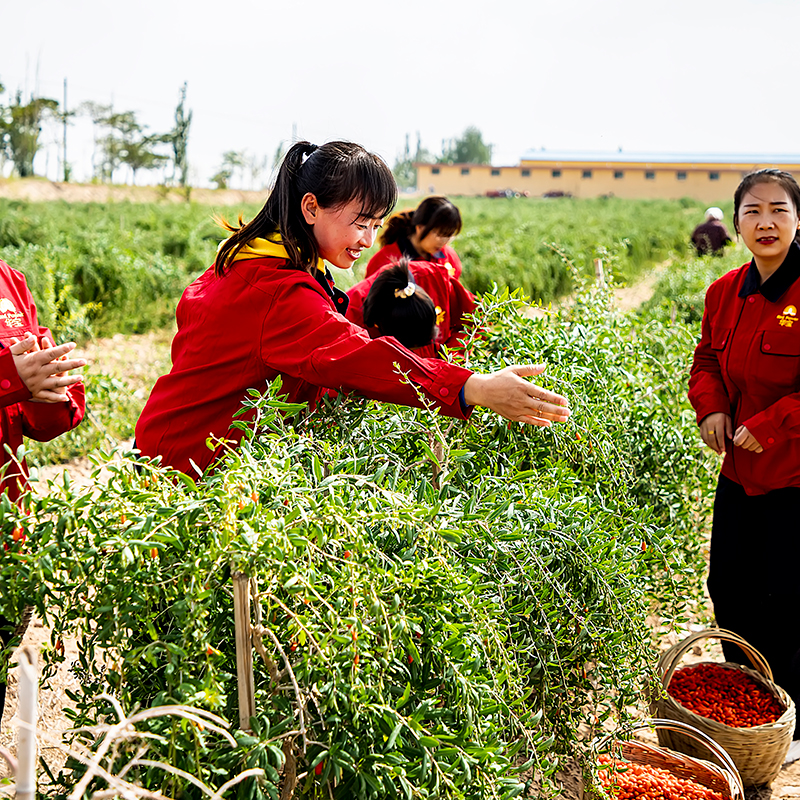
(662, 158)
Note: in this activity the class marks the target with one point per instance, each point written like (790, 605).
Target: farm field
(448, 610)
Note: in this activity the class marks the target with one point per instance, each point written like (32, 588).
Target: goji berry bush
(442, 605)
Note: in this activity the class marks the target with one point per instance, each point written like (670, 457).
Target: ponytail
(399, 307)
(433, 214)
(398, 226)
(336, 173)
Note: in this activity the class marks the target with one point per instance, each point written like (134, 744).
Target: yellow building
(708, 178)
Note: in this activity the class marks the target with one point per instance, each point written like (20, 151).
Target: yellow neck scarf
(266, 248)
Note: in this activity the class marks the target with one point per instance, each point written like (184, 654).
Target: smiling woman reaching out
(268, 308)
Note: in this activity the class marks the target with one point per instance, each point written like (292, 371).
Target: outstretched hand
(44, 369)
(507, 393)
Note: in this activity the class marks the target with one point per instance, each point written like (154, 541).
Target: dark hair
(336, 173)
(433, 213)
(399, 307)
(769, 175)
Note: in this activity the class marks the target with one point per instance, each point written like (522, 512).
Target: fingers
(527, 370)
(19, 346)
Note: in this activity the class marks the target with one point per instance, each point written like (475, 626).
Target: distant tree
(233, 160)
(98, 113)
(222, 178)
(124, 143)
(141, 154)
(20, 128)
(405, 173)
(179, 139)
(469, 148)
(256, 167)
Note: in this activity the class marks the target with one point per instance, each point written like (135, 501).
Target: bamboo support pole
(244, 649)
(26, 725)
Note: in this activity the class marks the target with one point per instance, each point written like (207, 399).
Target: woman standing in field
(423, 234)
(268, 308)
(745, 388)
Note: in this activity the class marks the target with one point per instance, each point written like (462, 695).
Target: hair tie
(309, 151)
(408, 290)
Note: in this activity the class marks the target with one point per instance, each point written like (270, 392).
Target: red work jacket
(261, 320)
(453, 302)
(747, 364)
(18, 416)
(446, 259)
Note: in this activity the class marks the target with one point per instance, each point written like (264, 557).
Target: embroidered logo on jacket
(451, 271)
(789, 316)
(9, 314)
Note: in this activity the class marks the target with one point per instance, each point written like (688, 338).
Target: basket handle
(670, 659)
(675, 726)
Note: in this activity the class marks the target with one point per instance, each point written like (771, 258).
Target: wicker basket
(723, 779)
(759, 751)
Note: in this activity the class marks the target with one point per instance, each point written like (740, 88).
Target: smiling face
(341, 233)
(767, 221)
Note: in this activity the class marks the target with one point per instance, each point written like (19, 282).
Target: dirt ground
(42, 190)
(139, 360)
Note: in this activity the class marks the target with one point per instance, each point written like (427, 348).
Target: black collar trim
(778, 283)
(340, 300)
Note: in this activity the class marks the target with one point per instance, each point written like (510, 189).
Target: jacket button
(5, 384)
(770, 440)
(767, 347)
(751, 299)
(444, 391)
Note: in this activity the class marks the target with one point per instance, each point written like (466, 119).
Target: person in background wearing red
(423, 234)
(745, 388)
(396, 305)
(711, 236)
(450, 300)
(38, 399)
(268, 307)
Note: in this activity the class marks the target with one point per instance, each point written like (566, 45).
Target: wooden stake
(244, 649)
(26, 725)
(599, 275)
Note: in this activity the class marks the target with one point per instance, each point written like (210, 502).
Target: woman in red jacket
(745, 388)
(423, 234)
(38, 399)
(268, 307)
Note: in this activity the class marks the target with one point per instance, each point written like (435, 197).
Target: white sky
(681, 76)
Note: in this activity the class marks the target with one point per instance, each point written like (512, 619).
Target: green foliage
(135, 260)
(681, 290)
(20, 128)
(469, 148)
(106, 268)
(179, 138)
(441, 604)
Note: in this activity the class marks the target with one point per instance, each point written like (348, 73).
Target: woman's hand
(744, 439)
(44, 370)
(507, 393)
(715, 429)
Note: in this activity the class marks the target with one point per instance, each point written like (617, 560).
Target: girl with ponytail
(450, 300)
(421, 234)
(396, 305)
(268, 307)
